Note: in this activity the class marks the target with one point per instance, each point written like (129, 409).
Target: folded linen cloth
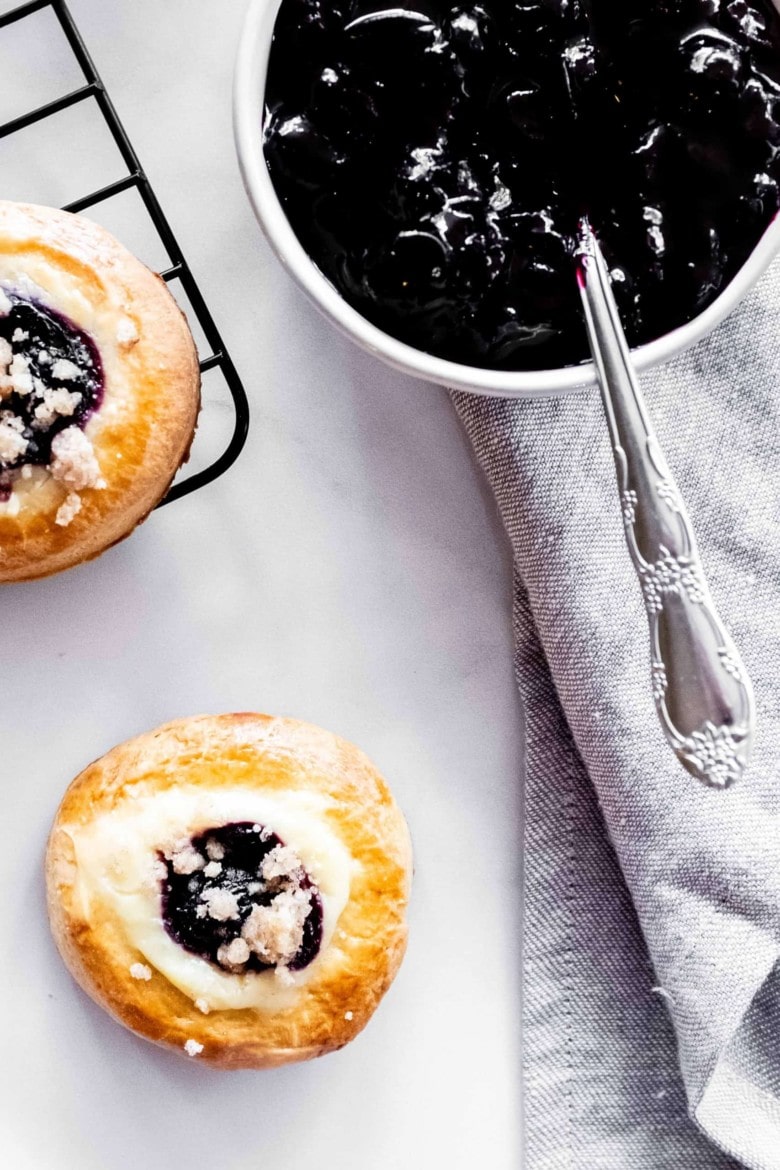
(652, 904)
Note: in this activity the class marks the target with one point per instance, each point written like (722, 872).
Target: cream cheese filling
(117, 867)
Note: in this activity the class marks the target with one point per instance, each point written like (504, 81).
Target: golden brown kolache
(233, 887)
(99, 390)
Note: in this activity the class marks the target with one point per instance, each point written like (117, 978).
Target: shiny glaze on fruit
(433, 160)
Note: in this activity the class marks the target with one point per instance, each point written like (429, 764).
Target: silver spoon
(702, 691)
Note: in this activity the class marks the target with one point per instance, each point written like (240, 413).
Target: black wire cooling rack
(136, 179)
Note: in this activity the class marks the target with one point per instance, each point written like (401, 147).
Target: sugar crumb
(73, 460)
(184, 857)
(192, 1048)
(233, 954)
(12, 442)
(141, 971)
(158, 873)
(64, 371)
(54, 403)
(68, 509)
(126, 332)
(281, 862)
(20, 375)
(275, 932)
(349, 1015)
(214, 850)
(221, 904)
(203, 1006)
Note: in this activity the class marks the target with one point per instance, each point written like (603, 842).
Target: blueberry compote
(51, 377)
(434, 159)
(228, 886)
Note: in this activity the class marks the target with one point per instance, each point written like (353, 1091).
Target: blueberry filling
(434, 160)
(51, 378)
(239, 897)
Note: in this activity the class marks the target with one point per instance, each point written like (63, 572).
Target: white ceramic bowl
(249, 92)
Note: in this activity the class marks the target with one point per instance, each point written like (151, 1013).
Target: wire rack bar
(218, 357)
(22, 11)
(107, 192)
(45, 111)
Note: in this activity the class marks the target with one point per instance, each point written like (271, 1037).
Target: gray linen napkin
(652, 904)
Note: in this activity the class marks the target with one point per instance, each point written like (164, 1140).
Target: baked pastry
(233, 887)
(99, 390)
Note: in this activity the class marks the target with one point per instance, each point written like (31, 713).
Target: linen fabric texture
(651, 1001)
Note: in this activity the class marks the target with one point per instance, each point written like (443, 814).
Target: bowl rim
(248, 95)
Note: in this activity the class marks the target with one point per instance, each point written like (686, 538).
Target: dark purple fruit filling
(434, 160)
(237, 896)
(51, 377)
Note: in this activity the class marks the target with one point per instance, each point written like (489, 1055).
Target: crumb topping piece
(282, 864)
(233, 954)
(275, 933)
(214, 850)
(64, 370)
(141, 971)
(54, 403)
(193, 1048)
(74, 462)
(68, 509)
(13, 444)
(19, 379)
(220, 904)
(126, 332)
(185, 858)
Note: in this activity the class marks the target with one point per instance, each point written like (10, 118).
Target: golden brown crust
(277, 756)
(155, 379)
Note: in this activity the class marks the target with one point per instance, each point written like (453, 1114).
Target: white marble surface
(351, 571)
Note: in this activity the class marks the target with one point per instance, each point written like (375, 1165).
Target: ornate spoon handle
(701, 689)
